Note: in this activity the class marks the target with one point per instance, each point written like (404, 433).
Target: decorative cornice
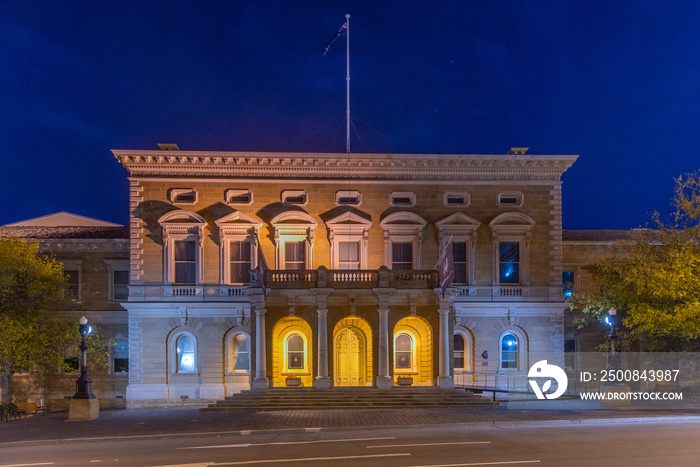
(262, 165)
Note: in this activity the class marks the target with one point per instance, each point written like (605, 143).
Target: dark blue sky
(617, 82)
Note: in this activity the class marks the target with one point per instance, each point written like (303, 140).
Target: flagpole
(347, 80)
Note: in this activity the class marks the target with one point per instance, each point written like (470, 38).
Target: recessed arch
(418, 330)
(284, 330)
(352, 352)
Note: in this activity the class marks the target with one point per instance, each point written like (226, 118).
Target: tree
(656, 285)
(32, 331)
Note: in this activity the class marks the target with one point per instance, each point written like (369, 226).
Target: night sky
(617, 82)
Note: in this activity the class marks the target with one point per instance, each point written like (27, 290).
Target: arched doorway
(352, 351)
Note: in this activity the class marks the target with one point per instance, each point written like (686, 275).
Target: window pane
(295, 343)
(509, 262)
(239, 353)
(402, 255)
(184, 250)
(458, 342)
(567, 280)
(73, 277)
(403, 360)
(509, 351)
(185, 273)
(120, 289)
(403, 343)
(295, 255)
(240, 262)
(349, 255)
(121, 365)
(460, 261)
(185, 353)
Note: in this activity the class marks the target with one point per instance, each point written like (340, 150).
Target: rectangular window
(121, 355)
(238, 196)
(240, 262)
(120, 285)
(510, 199)
(71, 364)
(295, 255)
(73, 276)
(401, 255)
(567, 280)
(509, 262)
(459, 251)
(347, 197)
(185, 262)
(569, 354)
(349, 255)
(294, 196)
(183, 196)
(456, 199)
(403, 198)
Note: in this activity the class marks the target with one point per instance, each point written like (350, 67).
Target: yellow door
(349, 358)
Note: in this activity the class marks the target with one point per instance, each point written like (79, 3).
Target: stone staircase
(348, 398)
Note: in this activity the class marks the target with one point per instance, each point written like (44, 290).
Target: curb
(468, 425)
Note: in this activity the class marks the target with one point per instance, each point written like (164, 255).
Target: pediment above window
(457, 224)
(182, 222)
(349, 221)
(403, 222)
(238, 223)
(511, 218)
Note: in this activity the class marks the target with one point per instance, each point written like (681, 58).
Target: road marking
(537, 461)
(247, 445)
(26, 465)
(311, 459)
(427, 444)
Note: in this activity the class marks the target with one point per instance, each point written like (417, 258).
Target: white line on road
(247, 445)
(26, 465)
(427, 444)
(272, 461)
(536, 461)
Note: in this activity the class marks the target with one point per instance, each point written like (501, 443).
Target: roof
(34, 232)
(595, 235)
(63, 219)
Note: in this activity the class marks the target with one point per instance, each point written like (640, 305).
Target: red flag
(446, 267)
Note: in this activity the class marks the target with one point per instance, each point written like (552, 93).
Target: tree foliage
(33, 332)
(656, 284)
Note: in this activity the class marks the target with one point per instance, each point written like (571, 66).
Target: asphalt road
(607, 444)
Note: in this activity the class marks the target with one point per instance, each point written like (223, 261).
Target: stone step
(345, 398)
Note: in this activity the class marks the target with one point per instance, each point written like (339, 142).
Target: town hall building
(348, 293)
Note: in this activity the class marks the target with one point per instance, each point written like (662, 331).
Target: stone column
(383, 378)
(260, 381)
(445, 380)
(322, 380)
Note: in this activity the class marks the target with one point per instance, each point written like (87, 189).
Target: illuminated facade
(350, 297)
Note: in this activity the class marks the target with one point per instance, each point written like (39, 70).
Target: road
(618, 444)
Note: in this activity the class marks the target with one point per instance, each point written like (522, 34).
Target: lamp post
(614, 359)
(83, 385)
(84, 404)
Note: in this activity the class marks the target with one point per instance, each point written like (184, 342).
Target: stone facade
(93, 250)
(350, 295)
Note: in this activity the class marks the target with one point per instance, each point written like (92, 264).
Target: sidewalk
(187, 421)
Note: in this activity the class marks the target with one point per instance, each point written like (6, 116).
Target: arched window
(186, 353)
(403, 352)
(509, 352)
(459, 352)
(295, 352)
(239, 354)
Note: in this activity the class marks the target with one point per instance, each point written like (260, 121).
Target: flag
(446, 267)
(262, 269)
(337, 35)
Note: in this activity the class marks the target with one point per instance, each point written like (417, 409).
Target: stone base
(147, 391)
(260, 384)
(84, 409)
(322, 383)
(384, 382)
(623, 391)
(446, 382)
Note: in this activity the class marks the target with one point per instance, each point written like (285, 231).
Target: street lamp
(84, 404)
(614, 361)
(83, 385)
